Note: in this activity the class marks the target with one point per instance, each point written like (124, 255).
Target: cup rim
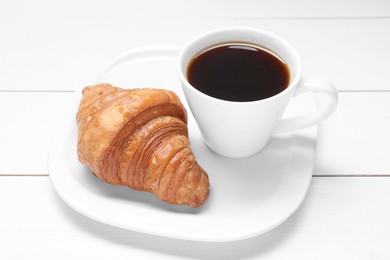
(296, 77)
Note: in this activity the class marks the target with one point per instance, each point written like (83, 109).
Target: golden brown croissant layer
(139, 138)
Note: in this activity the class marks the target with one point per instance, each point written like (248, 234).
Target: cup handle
(319, 87)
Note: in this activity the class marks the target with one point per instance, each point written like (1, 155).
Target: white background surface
(49, 48)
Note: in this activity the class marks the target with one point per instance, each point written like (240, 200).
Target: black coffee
(238, 72)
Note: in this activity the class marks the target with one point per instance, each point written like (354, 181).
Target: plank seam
(364, 91)
(24, 175)
(36, 91)
(73, 91)
(307, 18)
(314, 176)
(350, 175)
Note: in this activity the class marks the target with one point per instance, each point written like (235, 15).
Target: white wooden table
(48, 49)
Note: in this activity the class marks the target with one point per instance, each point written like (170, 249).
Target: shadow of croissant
(242, 176)
(242, 249)
(124, 193)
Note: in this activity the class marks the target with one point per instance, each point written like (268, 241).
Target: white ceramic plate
(248, 196)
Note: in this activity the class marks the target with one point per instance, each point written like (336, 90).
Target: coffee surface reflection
(238, 72)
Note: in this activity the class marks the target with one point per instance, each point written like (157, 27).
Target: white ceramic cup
(240, 129)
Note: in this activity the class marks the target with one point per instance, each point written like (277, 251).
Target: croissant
(139, 138)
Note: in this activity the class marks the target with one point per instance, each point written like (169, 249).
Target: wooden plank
(356, 139)
(341, 218)
(68, 53)
(196, 9)
(28, 122)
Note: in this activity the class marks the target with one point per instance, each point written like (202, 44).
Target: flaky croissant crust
(139, 138)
